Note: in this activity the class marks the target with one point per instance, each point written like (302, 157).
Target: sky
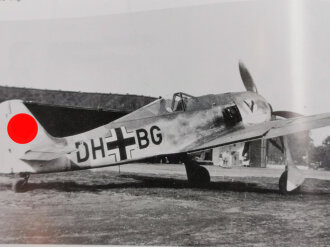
(158, 47)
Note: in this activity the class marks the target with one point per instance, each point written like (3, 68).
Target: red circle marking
(22, 128)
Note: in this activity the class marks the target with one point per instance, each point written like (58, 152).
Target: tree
(321, 154)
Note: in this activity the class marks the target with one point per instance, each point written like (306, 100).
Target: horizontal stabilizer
(47, 154)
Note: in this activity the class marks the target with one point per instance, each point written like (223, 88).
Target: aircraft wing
(266, 130)
(46, 154)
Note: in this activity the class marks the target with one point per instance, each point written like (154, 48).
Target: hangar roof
(102, 101)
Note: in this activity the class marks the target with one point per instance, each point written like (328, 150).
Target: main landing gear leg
(20, 184)
(197, 175)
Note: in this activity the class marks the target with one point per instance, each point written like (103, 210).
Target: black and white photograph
(165, 122)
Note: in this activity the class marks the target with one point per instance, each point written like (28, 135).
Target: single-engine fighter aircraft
(180, 127)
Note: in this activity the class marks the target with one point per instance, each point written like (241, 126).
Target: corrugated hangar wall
(64, 113)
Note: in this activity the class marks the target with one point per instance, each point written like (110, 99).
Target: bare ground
(148, 209)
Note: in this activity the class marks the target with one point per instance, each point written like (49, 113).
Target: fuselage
(160, 128)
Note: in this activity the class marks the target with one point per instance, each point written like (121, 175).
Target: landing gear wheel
(200, 177)
(282, 185)
(197, 175)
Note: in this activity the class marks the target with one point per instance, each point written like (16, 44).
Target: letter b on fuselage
(144, 137)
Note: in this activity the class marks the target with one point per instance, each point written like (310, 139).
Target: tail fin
(10, 149)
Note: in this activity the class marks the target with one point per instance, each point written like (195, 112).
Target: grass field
(149, 206)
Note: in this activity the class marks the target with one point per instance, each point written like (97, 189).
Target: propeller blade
(286, 114)
(247, 78)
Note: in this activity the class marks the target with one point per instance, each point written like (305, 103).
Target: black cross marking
(250, 106)
(121, 143)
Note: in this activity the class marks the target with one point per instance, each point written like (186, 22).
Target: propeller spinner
(250, 86)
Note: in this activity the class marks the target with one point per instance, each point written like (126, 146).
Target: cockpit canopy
(180, 101)
(186, 102)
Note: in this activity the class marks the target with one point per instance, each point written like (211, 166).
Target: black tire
(19, 185)
(201, 177)
(282, 185)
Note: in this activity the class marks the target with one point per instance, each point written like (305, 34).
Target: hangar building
(64, 113)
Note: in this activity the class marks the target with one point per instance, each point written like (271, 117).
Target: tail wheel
(282, 185)
(19, 185)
